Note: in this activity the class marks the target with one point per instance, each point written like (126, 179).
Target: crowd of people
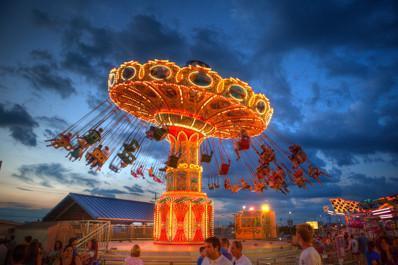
(31, 252)
(340, 245)
(337, 246)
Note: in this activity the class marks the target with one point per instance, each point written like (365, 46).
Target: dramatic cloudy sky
(328, 67)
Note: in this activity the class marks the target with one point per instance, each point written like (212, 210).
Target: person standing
(340, 245)
(134, 258)
(385, 252)
(238, 257)
(54, 257)
(354, 248)
(202, 255)
(372, 255)
(309, 255)
(213, 253)
(225, 248)
(3, 252)
(363, 248)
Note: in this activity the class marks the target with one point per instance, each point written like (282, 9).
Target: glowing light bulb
(265, 208)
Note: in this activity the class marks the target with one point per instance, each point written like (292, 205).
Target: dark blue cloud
(48, 174)
(21, 124)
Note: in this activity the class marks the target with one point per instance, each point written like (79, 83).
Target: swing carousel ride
(214, 125)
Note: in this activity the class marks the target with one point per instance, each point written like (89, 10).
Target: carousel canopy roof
(106, 208)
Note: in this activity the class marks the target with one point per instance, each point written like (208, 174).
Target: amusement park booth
(369, 216)
(255, 224)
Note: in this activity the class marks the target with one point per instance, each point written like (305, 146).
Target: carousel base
(183, 218)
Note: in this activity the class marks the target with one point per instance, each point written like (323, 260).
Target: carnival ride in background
(213, 124)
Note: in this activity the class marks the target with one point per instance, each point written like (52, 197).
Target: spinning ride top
(189, 104)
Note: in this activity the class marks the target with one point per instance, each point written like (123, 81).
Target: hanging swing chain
(74, 125)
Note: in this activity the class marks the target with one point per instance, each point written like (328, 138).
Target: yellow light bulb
(265, 208)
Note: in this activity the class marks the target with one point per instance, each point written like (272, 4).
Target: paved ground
(260, 252)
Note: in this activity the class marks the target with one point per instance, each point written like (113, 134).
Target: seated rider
(156, 133)
(299, 178)
(102, 158)
(151, 173)
(206, 158)
(294, 148)
(315, 173)
(93, 136)
(263, 171)
(132, 146)
(133, 173)
(63, 140)
(89, 156)
(224, 168)
(173, 160)
(244, 185)
(227, 183)
(235, 188)
(298, 156)
(140, 170)
(242, 144)
(267, 155)
(78, 149)
(258, 186)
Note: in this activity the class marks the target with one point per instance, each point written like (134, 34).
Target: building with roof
(87, 207)
(80, 215)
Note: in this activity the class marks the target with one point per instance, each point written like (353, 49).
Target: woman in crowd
(373, 256)
(385, 252)
(134, 258)
(34, 254)
(68, 258)
(54, 257)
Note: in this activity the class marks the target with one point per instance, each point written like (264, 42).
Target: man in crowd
(309, 255)
(202, 255)
(213, 253)
(225, 248)
(363, 248)
(238, 257)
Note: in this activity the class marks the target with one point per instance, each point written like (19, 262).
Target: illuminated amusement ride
(214, 125)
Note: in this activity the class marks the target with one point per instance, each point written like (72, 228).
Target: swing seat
(244, 144)
(235, 188)
(140, 171)
(134, 174)
(92, 137)
(216, 185)
(173, 161)
(99, 156)
(76, 153)
(227, 184)
(224, 169)
(294, 148)
(298, 173)
(301, 157)
(62, 140)
(156, 133)
(127, 157)
(206, 158)
(132, 146)
(211, 186)
(114, 168)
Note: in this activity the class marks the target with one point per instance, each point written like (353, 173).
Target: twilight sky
(328, 67)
